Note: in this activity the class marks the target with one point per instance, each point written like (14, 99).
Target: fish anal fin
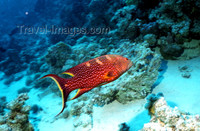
(76, 94)
(80, 92)
(65, 94)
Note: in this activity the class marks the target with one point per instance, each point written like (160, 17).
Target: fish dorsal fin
(74, 71)
(80, 92)
(68, 73)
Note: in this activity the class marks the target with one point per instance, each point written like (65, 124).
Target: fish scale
(90, 74)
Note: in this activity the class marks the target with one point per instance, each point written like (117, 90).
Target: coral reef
(58, 54)
(126, 27)
(82, 106)
(138, 83)
(164, 117)
(87, 48)
(171, 22)
(151, 99)
(17, 118)
(176, 17)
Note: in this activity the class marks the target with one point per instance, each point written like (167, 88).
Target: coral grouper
(90, 74)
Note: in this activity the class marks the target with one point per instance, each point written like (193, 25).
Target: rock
(81, 107)
(164, 117)
(2, 120)
(35, 109)
(29, 81)
(151, 99)
(185, 71)
(151, 39)
(2, 104)
(127, 25)
(5, 127)
(17, 119)
(191, 49)
(8, 80)
(23, 90)
(123, 127)
(185, 68)
(186, 75)
(58, 54)
(171, 51)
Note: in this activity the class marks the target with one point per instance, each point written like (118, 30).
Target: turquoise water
(40, 37)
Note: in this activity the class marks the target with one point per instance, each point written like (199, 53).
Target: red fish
(90, 74)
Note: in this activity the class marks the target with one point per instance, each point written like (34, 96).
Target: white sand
(108, 117)
(184, 92)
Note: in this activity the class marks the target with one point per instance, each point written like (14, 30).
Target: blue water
(40, 37)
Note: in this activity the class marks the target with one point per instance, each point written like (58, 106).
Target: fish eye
(126, 58)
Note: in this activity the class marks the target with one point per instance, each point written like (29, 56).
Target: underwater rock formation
(151, 99)
(144, 73)
(164, 117)
(191, 49)
(17, 119)
(58, 54)
(177, 18)
(126, 26)
(172, 22)
(87, 48)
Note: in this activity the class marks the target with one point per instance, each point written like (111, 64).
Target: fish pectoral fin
(80, 92)
(109, 74)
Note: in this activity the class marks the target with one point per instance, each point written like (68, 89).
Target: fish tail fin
(62, 85)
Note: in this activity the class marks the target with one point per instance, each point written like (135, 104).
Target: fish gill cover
(40, 37)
